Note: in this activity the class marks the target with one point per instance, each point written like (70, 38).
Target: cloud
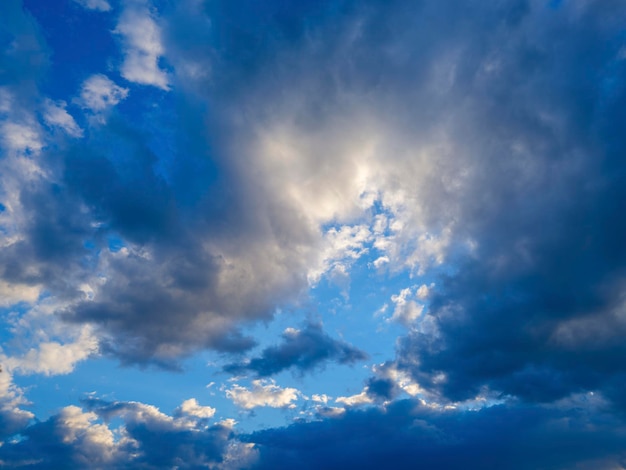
(405, 432)
(11, 294)
(54, 358)
(487, 157)
(192, 408)
(406, 311)
(21, 138)
(263, 393)
(99, 93)
(142, 47)
(356, 400)
(146, 438)
(98, 5)
(302, 350)
(55, 115)
(13, 418)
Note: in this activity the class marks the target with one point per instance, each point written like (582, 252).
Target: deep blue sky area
(317, 234)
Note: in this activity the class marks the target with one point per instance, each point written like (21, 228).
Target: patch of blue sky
(80, 44)
(8, 316)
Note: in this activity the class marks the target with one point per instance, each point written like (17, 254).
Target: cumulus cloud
(147, 438)
(99, 93)
(356, 400)
(262, 393)
(406, 310)
(11, 294)
(302, 350)
(53, 357)
(192, 408)
(143, 48)
(13, 418)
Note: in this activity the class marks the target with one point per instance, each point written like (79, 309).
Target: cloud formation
(99, 93)
(142, 46)
(249, 154)
(147, 438)
(405, 433)
(262, 393)
(301, 350)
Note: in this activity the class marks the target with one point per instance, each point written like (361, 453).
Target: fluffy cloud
(302, 350)
(53, 357)
(262, 393)
(21, 137)
(192, 408)
(142, 46)
(355, 400)
(406, 310)
(99, 93)
(13, 418)
(146, 438)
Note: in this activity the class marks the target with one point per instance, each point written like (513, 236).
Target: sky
(313, 234)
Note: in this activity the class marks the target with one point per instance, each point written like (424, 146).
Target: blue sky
(314, 234)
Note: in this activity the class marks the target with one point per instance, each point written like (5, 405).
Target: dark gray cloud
(537, 311)
(301, 350)
(408, 435)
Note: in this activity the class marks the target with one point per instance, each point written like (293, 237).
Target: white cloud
(142, 48)
(406, 310)
(341, 247)
(55, 115)
(263, 393)
(100, 93)
(322, 398)
(21, 137)
(381, 261)
(356, 400)
(12, 418)
(423, 291)
(10, 294)
(99, 5)
(53, 358)
(239, 455)
(74, 424)
(192, 408)
(401, 378)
